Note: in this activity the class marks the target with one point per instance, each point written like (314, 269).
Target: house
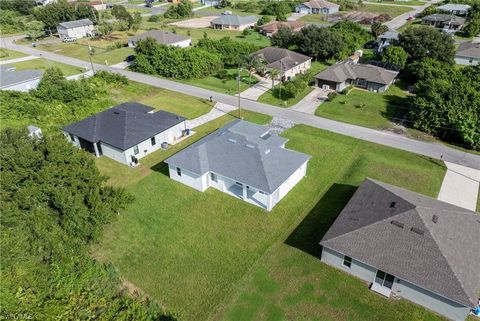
(76, 29)
(443, 21)
(369, 77)
(97, 5)
(271, 28)
(290, 63)
(243, 160)
(34, 131)
(468, 53)
(408, 245)
(44, 2)
(454, 8)
(126, 132)
(317, 6)
(387, 38)
(162, 37)
(19, 80)
(233, 22)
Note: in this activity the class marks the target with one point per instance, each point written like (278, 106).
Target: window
(347, 261)
(179, 171)
(72, 137)
(153, 141)
(239, 184)
(213, 177)
(384, 279)
(135, 150)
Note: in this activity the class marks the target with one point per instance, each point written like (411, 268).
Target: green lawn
(7, 54)
(197, 34)
(43, 64)
(364, 108)
(403, 3)
(227, 86)
(392, 11)
(210, 256)
(314, 18)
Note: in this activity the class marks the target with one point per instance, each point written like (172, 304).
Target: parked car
(69, 39)
(371, 45)
(410, 18)
(130, 58)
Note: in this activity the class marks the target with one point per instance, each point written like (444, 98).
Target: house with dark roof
(19, 80)
(271, 28)
(76, 29)
(289, 63)
(317, 6)
(408, 245)
(233, 22)
(455, 8)
(162, 37)
(447, 22)
(126, 132)
(344, 74)
(386, 39)
(468, 53)
(243, 160)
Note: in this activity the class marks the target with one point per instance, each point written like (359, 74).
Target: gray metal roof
(280, 58)
(124, 126)
(319, 4)
(234, 20)
(469, 49)
(243, 152)
(343, 71)
(10, 76)
(390, 34)
(75, 23)
(165, 37)
(445, 18)
(454, 7)
(441, 253)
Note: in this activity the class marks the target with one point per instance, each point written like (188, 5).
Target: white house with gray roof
(162, 37)
(76, 29)
(233, 22)
(243, 160)
(317, 7)
(19, 80)
(455, 8)
(468, 53)
(408, 245)
(126, 132)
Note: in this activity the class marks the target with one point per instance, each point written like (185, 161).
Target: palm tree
(273, 74)
(252, 63)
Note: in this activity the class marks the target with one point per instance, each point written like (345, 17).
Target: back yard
(210, 256)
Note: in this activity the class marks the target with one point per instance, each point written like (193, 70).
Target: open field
(43, 64)
(401, 3)
(392, 11)
(211, 256)
(197, 34)
(7, 54)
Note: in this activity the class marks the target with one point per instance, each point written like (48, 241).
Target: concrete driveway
(258, 89)
(460, 186)
(310, 102)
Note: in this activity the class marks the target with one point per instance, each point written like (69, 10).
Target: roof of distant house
(390, 34)
(454, 7)
(11, 77)
(442, 17)
(234, 20)
(273, 26)
(469, 49)
(419, 239)
(165, 37)
(280, 58)
(124, 126)
(244, 152)
(76, 23)
(343, 71)
(318, 4)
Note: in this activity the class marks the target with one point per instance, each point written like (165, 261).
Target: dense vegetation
(180, 10)
(231, 51)
(54, 204)
(54, 13)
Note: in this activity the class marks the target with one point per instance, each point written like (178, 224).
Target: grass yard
(226, 86)
(364, 108)
(403, 3)
(210, 256)
(197, 34)
(314, 18)
(43, 64)
(392, 11)
(7, 54)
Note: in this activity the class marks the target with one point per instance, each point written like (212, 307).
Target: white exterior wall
(24, 86)
(299, 69)
(198, 182)
(181, 44)
(358, 269)
(79, 32)
(459, 60)
(114, 153)
(292, 181)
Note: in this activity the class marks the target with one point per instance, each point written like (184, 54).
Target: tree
(473, 21)
(395, 55)
(283, 38)
(378, 28)
(231, 51)
(281, 17)
(273, 74)
(263, 20)
(136, 21)
(353, 36)
(35, 29)
(54, 13)
(104, 29)
(23, 7)
(120, 13)
(252, 63)
(319, 43)
(425, 41)
(180, 10)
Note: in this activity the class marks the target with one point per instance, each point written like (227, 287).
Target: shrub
(154, 18)
(346, 90)
(331, 96)
(180, 10)
(222, 74)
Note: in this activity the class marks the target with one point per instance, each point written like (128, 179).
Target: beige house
(233, 22)
(290, 63)
(272, 28)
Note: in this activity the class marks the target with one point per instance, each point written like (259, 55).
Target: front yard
(7, 54)
(43, 64)
(209, 256)
(226, 86)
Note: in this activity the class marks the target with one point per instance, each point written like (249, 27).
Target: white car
(69, 39)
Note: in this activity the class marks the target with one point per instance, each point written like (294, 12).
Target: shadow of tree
(311, 230)
(397, 108)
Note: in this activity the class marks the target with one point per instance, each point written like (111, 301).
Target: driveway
(195, 23)
(460, 186)
(258, 89)
(310, 102)
(295, 16)
(434, 150)
(400, 20)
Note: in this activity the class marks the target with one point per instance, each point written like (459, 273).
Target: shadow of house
(307, 235)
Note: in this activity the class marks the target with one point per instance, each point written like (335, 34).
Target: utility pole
(90, 52)
(281, 72)
(238, 89)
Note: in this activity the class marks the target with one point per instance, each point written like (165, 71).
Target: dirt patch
(360, 17)
(195, 23)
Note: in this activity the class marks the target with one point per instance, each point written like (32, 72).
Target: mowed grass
(197, 34)
(43, 64)
(226, 86)
(364, 108)
(192, 251)
(7, 54)
(392, 11)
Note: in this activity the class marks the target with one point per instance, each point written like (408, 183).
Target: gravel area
(279, 125)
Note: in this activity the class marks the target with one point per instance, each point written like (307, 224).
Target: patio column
(269, 205)
(244, 189)
(97, 154)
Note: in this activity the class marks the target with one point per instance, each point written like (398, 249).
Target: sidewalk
(12, 61)
(460, 186)
(217, 111)
(258, 89)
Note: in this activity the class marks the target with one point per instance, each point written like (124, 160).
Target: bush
(230, 50)
(154, 18)
(223, 74)
(263, 20)
(111, 78)
(180, 10)
(331, 96)
(346, 90)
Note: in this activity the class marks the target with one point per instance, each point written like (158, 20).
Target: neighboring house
(243, 160)
(341, 75)
(162, 37)
(468, 53)
(385, 39)
(290, 63)
(34, 131)
(409, 245)
(19, 80)
(271, 28)
(317, 6)
(126, 132)
(44, 2)
(97, 5)
(76, 29)
(233, 22)
(453, 8)
(443, 21)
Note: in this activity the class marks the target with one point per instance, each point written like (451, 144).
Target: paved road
(434, 150)
(12, 61)
(400, 20)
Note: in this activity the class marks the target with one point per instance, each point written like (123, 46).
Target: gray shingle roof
(76, 23)
(276, 57)
(241, 151)
(10, 76)
(343, 71)
(124, 126)
(445, 18)
(469, 49)
(165, 37)
(390, 34)
(234, 20)
(319, 4)
(445, 259)
(454, 7)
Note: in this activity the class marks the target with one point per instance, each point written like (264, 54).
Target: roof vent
(267, 152)
(250, 146)
(417, 230)
(393, 204)
(397, 224)
(232, 140)
(265, 137)
(434, 218)
(116, 112)
(222, 133)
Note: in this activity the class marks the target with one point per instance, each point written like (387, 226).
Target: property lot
(43, 64)
(210, 256)
(194, 23)
(6, 54)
